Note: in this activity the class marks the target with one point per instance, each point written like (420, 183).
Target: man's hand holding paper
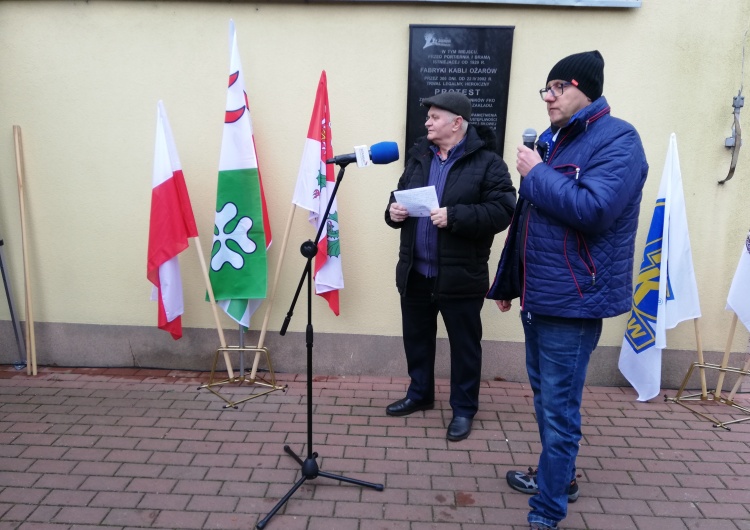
(419, 202)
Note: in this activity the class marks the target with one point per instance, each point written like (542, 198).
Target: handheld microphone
(380, 153)
(529, 138)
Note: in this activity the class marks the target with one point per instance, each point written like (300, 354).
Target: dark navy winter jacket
(479, 197)
(569, 250)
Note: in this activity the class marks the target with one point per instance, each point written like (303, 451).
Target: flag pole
(725, 359)
(704, 392)
(270, 299)
(742, 376)
(222, 340)
(31, 368)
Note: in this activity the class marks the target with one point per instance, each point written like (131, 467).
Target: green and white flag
(242, 233)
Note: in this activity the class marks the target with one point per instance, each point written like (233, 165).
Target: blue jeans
(557, 356)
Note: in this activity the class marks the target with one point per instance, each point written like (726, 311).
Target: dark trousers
(464, 326)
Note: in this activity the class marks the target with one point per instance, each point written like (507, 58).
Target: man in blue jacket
(442, 263)
(569, 258)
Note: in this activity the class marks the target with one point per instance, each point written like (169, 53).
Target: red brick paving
(88, 448)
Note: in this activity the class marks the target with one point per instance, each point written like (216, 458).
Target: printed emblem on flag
(332, 233)
(231, 238)
(640, 330)
(321, 180)
(747, 243)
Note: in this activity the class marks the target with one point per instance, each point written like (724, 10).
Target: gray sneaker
(540, 526)
(526, 483)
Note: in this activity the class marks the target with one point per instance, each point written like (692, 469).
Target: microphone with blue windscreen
(379, 153)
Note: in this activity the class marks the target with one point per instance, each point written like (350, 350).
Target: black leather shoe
(459, 429)
(406, 406)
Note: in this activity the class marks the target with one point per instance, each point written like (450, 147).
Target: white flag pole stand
(260, 349)
(715, 396)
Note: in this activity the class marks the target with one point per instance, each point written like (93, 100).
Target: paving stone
(85, 449)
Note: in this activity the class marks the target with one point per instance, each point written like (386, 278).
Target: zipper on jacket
(523, 251)
(569, 170)
(544, 151)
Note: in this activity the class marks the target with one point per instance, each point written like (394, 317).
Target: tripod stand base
(310, 470)
(680, 398)
(270, 386)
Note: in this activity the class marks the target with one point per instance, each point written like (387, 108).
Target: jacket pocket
(580, 261)
(569, 170)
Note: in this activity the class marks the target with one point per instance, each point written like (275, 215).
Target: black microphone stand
(310, 469)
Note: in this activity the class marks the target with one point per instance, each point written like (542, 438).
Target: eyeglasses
(555, 90)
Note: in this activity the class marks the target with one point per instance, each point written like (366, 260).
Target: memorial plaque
(474, 60)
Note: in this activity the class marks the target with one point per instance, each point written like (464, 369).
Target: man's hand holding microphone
(527, 156)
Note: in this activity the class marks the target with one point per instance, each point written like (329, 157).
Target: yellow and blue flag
(666, 292)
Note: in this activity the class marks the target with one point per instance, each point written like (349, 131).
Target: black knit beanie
(584, 70)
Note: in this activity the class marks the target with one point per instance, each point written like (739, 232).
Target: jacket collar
(580, 121)
(472, 142)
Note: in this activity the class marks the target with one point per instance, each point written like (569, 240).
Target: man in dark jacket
(569, 257)
(442, 266)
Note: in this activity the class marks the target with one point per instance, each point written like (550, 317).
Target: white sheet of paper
(419, 201)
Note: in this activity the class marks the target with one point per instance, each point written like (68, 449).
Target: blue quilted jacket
(569, 249)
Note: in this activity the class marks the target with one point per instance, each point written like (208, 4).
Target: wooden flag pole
(31, 367)
(704, 392)
(272, 294)
(210, 290)
(745, 369)
(725, 359)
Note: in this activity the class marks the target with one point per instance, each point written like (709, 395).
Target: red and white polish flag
(171, 224)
